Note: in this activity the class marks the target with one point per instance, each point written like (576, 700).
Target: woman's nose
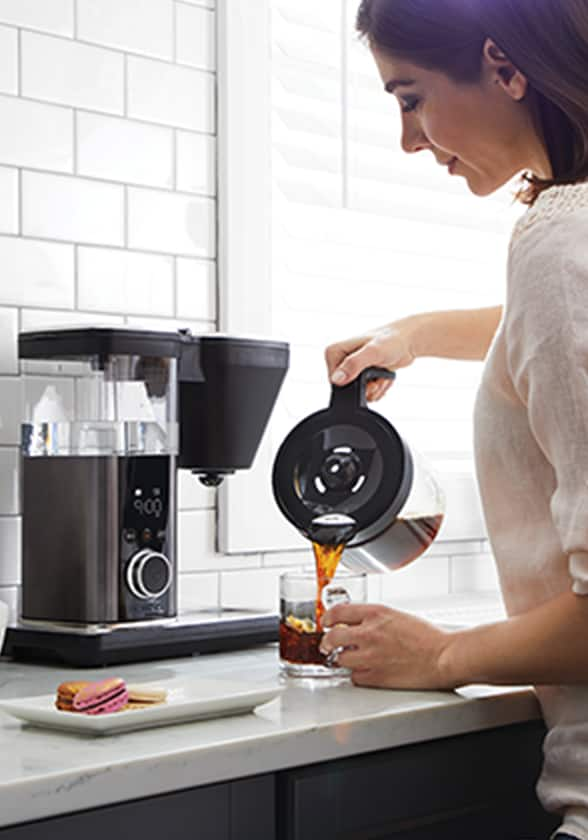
(412, 138)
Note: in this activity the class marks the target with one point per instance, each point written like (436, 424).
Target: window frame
(248, 520)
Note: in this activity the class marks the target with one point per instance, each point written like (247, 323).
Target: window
(351, 233)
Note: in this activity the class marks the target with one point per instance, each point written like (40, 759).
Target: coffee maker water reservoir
(99, 445)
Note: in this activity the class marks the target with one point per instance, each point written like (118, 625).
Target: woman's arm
(544, 646)
(392, 649)
(452, 334)
(456, 334)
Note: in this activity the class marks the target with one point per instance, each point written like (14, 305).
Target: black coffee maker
(109, 414)
(344, 475)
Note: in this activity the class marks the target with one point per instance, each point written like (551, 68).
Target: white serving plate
(188, 701)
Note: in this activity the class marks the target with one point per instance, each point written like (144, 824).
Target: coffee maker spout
(211, 479)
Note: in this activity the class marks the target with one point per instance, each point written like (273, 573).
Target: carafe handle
(346, 398)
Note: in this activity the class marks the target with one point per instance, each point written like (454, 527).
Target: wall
(107, 215)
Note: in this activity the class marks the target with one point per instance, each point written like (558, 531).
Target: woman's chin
(482, 187)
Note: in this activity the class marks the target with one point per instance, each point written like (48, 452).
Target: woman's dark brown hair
(547, 40)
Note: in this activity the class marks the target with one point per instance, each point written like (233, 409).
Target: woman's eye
(409, 105)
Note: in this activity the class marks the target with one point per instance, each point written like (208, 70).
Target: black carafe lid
(343, 474)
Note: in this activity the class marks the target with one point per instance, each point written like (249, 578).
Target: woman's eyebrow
(391, 86)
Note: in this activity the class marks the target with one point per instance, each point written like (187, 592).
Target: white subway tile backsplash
(48, 15)
(164, 93)
(40, 136)
(196, 545)
(251, 589)
(192, 494)
(10, 547)
(155, 132)
(10, 410)
(8, 341)
(197, 591)
(299, 559)
(449, 548)
(196, 163)
(124, 281)
(9, 483)
(196, 289)
(71, 73)
(36, 273)
(123, 150)
(196, 541)
(195, 36)
(207, 4)
(37, 319)
(473, 573)
(73, 209)
(131, 25)
(171, 223)
(425, 577)
(8, 200)
(8, 60)
(167, 324)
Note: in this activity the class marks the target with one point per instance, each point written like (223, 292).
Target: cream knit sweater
(531, 443)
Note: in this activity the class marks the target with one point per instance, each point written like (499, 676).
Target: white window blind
(362, 234)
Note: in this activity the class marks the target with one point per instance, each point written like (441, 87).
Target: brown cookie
(66, 693)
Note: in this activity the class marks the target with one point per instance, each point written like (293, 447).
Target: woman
(494, 88)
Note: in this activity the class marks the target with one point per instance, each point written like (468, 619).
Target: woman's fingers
(349, 614)
(377, 389)
(338, 637)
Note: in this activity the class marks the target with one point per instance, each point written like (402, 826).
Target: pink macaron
(101, 698)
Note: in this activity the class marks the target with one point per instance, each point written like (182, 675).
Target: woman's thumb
(354, 364)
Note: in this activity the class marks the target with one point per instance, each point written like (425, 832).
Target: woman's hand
(386, 648)
(388, 347)
(457, 334)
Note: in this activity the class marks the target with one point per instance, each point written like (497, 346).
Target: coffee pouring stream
(345, 476)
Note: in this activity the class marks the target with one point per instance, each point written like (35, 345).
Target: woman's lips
(451, 165)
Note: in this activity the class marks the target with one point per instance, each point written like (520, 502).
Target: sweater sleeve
(547, 347)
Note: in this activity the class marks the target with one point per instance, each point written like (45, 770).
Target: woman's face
(482, 131)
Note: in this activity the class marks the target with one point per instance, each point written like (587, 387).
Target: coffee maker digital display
(108, 416)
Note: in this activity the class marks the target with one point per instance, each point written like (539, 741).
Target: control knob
(149, 574)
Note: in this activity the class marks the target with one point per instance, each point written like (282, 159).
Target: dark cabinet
(470, 787)
(227, 811)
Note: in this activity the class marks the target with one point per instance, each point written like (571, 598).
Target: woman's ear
(499, 68)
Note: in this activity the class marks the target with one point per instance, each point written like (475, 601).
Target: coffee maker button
(149, 574)
(130, 535)
(161, 535)
(146, 535)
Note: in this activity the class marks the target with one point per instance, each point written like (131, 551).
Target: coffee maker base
(206, 631)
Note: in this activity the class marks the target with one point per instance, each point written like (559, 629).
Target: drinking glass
(300, 633)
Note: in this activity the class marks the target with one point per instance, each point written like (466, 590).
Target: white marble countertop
(45, 773)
